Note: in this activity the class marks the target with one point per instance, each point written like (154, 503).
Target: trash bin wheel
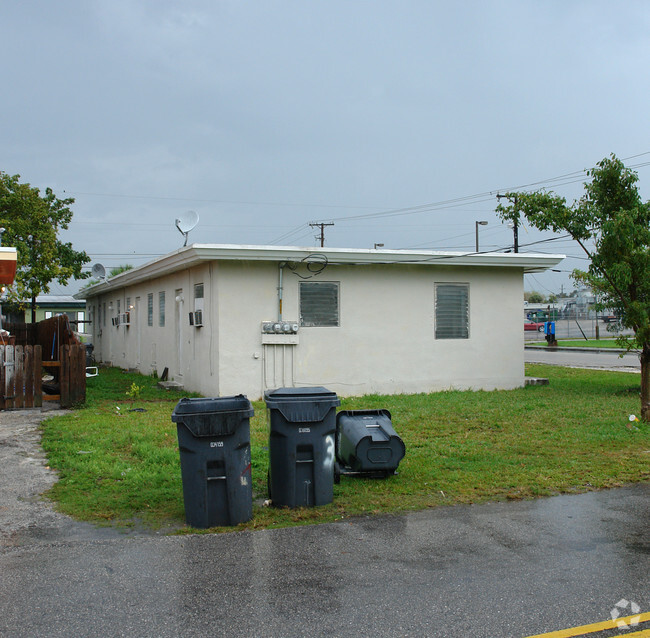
(337, 473)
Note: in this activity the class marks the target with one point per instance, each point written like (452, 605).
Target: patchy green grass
(121, 467)
(591, 343)
(581, 343)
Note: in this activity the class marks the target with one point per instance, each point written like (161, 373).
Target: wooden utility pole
(321, 225)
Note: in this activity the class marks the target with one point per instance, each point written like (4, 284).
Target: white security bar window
(161, 309)
(319, 303)
(150, 309)
(452, 311)
(198, 296)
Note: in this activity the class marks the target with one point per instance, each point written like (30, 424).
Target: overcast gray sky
(265, 116)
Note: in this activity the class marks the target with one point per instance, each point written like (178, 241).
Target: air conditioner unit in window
(125, 318)
(196, 318)
(115, 320)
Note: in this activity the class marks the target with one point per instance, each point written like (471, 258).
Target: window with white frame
(452, 311)
(150, 309)
(319, 303)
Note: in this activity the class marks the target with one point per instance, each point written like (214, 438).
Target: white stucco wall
(385, 342)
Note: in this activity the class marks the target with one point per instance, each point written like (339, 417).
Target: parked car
(534, 325)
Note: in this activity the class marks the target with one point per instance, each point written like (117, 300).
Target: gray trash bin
(302, 423)
(367, 442)
(215, 456)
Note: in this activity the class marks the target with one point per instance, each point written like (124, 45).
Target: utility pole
(515, 225)
(321, 225)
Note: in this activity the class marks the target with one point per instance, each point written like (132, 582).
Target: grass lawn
(121, 467)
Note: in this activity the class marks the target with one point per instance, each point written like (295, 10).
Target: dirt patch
(25, 515)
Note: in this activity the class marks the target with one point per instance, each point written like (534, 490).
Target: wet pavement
(494, 570)
(584, 358)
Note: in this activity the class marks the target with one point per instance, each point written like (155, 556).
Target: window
(198, 296)
(161, 309)
(452, 311)
(319, 303)
(150, 309)
(48, 314)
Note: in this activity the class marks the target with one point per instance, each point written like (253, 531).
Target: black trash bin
(215, 456)
(302, 424)
(366, 442)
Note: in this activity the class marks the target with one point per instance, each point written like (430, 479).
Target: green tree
(612, 225)
(119, 269)
(32, 223)
(534, 297)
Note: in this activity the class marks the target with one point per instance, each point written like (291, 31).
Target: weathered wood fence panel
(49, 347)
(20, 377)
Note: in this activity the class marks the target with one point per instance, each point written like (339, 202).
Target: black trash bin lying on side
(215, 456)
(366, 442)
(302, 423)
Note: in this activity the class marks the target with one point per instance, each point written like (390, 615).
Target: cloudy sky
(397, 120)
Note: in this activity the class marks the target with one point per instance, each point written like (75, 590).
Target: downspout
(281, 265)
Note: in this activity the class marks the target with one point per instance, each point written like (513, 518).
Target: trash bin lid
(317, 393)
(302, 405)
(200, 405)
(220, 416)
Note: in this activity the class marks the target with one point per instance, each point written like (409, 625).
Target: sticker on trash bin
(216, 443)
(304, 430)
(244, 480)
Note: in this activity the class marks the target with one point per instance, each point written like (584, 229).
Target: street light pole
(477, 225)
(515, 225)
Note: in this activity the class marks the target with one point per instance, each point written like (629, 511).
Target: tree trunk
(645, 382)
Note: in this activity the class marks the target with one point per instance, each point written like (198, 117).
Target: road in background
(585, 358)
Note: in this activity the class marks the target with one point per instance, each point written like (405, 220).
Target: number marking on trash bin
(216, 443)
(329, 452)
(304, 430)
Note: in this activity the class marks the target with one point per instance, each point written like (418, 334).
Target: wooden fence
(48, 348)
(20, 377)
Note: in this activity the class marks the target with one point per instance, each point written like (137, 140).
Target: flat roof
(195, 254)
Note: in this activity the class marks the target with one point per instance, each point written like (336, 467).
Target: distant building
(47, 306)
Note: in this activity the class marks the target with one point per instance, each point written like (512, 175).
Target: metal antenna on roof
(186, 222)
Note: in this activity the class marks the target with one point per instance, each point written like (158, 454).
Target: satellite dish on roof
(98, 271)
(186, 222)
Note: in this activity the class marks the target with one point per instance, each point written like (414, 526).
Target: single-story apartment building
(230, 319)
